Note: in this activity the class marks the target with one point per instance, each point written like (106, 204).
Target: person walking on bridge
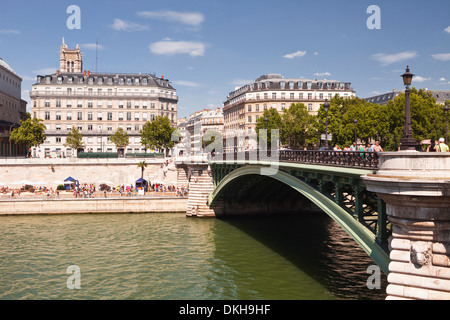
(442, 147)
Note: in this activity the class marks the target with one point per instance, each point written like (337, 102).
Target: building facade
(12, 109)
(97, 104)
(200, 128)
(441, 96)
(246, 104)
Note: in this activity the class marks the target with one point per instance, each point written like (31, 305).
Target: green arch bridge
(283, 181)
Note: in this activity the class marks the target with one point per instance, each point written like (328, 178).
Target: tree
(158, 134)
(297, 129)
(273, 122)
(120, 139)
(142, 165)
(74, 139)
(31, 133)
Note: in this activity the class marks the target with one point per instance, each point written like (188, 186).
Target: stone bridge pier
(196, 173)
(416, 189)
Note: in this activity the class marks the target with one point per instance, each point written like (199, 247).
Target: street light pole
(355, 122)
(446, 121)
(326, 106)
(407, 142)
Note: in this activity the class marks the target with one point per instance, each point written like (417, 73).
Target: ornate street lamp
(446, 121)
(355, 122)
(326, 106)
(407, 142)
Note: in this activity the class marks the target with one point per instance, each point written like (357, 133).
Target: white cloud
(240, 82)
(316, 53)
(184, 83)
(387, 59)
(122, 25)
(442, 79)
(45, 71)
(192, 48)
(189, 18)
(295, 55)
(441, 56)
(322, 74)
(9, 31)
(447, 29)
(420, 79)
(92, 46)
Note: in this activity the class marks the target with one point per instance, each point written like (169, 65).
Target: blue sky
(208, 47)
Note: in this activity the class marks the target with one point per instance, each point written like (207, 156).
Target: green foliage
(74, 139)
(120, 138)
(274, 122)
(142, 165)
(31, 133)
(158, 134)
(297, 127)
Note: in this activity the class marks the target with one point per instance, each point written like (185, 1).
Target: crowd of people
(439, 146)
(354, 147)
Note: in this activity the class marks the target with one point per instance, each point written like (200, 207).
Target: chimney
(85, 73)
(57, 72)
(89, 73)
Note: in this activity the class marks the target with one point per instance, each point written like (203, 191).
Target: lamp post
(326, 106)
(355, 122)
(407, 142)
(446, 121)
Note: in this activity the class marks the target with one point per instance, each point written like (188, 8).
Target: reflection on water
(169, 256)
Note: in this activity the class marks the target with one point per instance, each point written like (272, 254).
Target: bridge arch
(365, 239)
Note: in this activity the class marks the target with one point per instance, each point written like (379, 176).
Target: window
(136, 104)
(310, 107)
(99, 104)
(58, 127)
(274, 95)
(128, 104)
(249, 119)
(69, 116)
(99, 116)
(144, 105)
(47, 103)
(110, 81)
(58, 139)
(128, 116)
(109, 116)
(120, 104)
(109, 104)
(90, 116)
(249, 108)
(89, 128)
(47, 115)
(120, 116)
(292, 96)
(89, 104)
(80, 104)
(309, 96)
(69, 104)
(282, 84)
(58, 115)
(136, 116)
(80, 116)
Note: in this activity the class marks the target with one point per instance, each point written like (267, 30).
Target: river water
(173, 257)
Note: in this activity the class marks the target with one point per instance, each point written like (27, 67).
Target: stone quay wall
(94, 205)
(51, 172)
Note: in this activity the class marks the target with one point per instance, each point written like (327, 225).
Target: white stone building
(97, 104)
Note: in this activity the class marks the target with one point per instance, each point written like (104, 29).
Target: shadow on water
(318, 246)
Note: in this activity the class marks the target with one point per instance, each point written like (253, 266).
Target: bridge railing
(358, 159)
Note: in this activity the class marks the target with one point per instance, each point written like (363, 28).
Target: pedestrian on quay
(442, 147)
(377, 147)
(432, 147)
(354, 147)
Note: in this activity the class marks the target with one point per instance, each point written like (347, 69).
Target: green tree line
(298, 129)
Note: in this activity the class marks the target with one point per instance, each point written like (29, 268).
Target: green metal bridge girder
(365, 239)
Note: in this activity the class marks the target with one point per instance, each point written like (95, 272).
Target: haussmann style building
(246, 104)
(97, 104)
(12, 110)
